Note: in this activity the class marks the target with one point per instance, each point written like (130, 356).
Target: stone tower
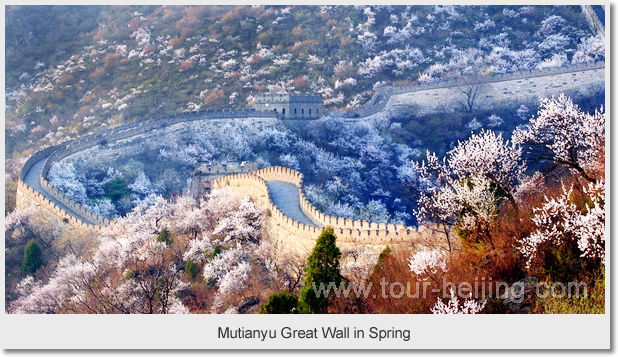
(291, 106)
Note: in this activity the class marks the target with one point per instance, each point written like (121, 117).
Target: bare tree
(470, 90)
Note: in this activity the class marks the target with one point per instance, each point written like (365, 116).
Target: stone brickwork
(291, 106)
(29, 197)
(206, 172)
(116, 142)
(290, 236)
(493, 91)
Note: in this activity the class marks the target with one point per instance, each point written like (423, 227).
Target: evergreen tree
(191, 269)
(280, 303)
(165, 236)
(32, 258)
(322, 268)
(377, 269)
(118, 188)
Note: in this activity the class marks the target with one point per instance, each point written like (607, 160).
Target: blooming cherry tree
(243, 224)
(465, 187)
(559, 220)
(64, 177)
(428, 262)
(131, 271)
(590, 49)
(565, 136)
(469, 306)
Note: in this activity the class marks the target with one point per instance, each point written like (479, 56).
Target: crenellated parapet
(291, 234)
(498, 88)
(27, 197)
(75, 214)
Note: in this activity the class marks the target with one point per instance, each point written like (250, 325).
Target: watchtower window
(283, 111)
(302, 111)
(309, 111)
(294, 110)
(317, 111)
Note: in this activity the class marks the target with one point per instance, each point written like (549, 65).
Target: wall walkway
(34, 189)
(293, 236)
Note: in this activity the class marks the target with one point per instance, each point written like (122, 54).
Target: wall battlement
(287, 232)
(55, 153)
(27, 196)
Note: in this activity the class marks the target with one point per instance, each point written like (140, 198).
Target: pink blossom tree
(464, 188)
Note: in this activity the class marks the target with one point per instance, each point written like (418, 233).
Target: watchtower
(291, 106)
(205, 172)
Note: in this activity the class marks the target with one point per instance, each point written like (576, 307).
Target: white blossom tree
(560, 221)
(142, 185)
(453, 306)
(427, 263)
(466, 187)
(243, 224)
(65, 177)
(565, 136)
(494, 121)
(590, 49)
(132, 271)
(474, 124)
(19, 221)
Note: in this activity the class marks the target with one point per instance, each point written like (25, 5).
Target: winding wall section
(34, 189)
(290, 235)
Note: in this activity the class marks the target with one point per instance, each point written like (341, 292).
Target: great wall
(290, 235)
(518, 87)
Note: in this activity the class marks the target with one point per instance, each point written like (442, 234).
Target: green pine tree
(165, 236)
(280, 303)
(322, 268)
(191, 269)
(33, 259)
(118, 188)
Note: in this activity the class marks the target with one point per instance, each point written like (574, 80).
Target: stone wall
(494, 91)
(120, 141)
(291, 106)
(593, 20)
(72, 205)
(151, 139)
(154, 130)
(289, 235)
(29, 197)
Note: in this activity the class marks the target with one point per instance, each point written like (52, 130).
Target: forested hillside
(73, 70)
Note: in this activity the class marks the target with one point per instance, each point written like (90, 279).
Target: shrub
(593, 302)
(280, 303)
